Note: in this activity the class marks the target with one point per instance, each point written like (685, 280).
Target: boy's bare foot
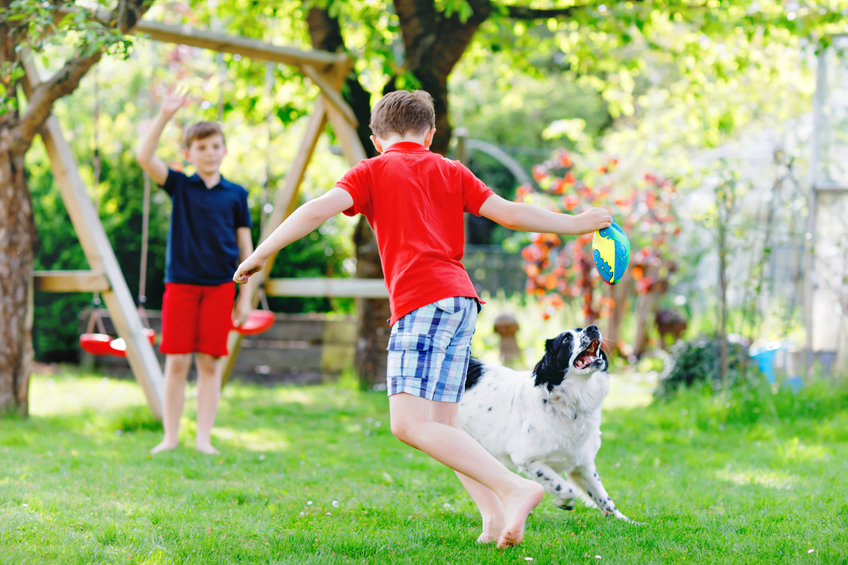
(516, 509)
(491, 529)
(164, 446)
(486, 538)
(206, 449)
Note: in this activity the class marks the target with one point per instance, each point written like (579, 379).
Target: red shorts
(197, 318)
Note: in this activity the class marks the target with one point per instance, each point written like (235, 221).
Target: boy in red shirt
(415, 201)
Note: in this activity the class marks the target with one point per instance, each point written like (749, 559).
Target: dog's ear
(550, 370)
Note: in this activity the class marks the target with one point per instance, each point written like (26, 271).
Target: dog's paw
(566, 506)
(634, 522)
(619, 516)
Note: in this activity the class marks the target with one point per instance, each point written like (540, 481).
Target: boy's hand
(250, 266)
(594, 219)
(173, 101)
(242, 311)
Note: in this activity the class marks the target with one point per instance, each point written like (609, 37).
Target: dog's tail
(475, 371)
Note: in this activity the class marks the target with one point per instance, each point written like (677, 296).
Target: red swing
(118, 347)
(101, 343)
(259, 320)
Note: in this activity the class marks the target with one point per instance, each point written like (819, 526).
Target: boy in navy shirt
(208, 237)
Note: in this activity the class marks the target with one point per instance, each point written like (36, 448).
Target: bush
(698, 362)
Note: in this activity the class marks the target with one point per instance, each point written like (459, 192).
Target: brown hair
(402, 112)
(202, 130)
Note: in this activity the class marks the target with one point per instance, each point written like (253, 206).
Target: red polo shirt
(414, 200)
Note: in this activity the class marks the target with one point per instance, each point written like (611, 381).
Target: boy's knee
(402, 430)
(179, 364)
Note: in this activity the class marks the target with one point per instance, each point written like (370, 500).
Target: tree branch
(325, 34)
(43, 96)
(528, 13)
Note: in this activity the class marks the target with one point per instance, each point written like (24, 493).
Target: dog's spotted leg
(560, 488)
(587, 478)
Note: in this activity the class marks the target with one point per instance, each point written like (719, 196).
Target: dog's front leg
(587, 478)
(563, 491)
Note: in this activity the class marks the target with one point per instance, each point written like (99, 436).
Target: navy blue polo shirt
(202, 245)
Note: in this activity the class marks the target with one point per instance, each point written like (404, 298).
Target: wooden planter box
(298, 349)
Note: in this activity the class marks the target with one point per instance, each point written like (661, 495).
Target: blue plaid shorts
(429, 350)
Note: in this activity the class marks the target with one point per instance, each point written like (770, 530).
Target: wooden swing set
(327, 71)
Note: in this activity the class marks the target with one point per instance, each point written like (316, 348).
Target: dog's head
(574, 352)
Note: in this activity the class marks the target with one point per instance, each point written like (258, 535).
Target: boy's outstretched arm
(524, 217)
(302, 221)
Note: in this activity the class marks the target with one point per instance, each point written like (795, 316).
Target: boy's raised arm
(524, 217)
(302, 222)
(146, 152)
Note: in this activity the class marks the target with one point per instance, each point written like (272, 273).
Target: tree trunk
(372, 329)
(17, 252)
(433, 44)
(18, 235)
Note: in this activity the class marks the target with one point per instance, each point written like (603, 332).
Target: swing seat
(118, 347)
(102, 344)
(95, 344)
(258, 322)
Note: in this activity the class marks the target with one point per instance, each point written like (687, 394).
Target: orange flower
(539, 172)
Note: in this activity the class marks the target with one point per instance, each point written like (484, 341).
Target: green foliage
(697, 362)
(757, 407)
(313, 475)
(35, 25)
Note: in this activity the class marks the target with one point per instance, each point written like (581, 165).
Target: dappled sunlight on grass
(794, 451)
(306, 397)
(60, 393)
(758, 477)
(279, 395)
(255, 439)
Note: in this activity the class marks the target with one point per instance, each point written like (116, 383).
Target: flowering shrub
(643, 209)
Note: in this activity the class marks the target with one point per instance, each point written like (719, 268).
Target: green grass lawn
(313, 475)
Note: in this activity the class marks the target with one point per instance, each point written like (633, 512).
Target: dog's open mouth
(587, 356)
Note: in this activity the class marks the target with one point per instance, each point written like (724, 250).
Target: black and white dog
(546, 423)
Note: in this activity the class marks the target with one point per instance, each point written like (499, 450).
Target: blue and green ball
(611, 252)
